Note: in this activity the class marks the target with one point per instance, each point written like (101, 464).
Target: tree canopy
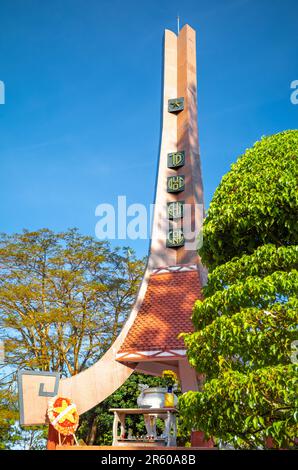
(63, 300)
(255, 203)
(246, 325)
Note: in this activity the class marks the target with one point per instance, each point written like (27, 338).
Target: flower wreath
(63, 415)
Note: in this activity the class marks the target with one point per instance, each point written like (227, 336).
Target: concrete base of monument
(198, 440)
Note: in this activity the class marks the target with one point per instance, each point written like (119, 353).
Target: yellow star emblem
(70, 415)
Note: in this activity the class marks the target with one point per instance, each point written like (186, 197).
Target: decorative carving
(35, 387)
(175, 184)
(176, 159)
(175, 210)
(176, 105)
(175, 238)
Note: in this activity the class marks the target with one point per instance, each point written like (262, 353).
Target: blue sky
(81, 121)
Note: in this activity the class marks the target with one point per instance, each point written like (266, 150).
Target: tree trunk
(92, 433)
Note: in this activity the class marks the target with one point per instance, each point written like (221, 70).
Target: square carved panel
(175, 105)
(175, 238)
(175, 184)
(175, 209)
(176, 159)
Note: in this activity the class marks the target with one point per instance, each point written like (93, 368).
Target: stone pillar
(189, 381)
(188, 376)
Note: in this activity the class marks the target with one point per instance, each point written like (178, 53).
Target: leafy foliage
(256, 202)
(241, 337)
(245, 409)
(254, 291)
(63, 300)
(8, 416)
(247, 322)
(263, 261)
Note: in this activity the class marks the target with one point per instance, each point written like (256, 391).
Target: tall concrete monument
(174, 276)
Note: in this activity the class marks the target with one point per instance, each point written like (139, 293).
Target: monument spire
(175, 274)
(149, 341)
(179, 204)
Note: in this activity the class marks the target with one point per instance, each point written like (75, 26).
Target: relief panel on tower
(175, 238)
(175, 105)
(175, 210)
(175, 184)
(176, 159)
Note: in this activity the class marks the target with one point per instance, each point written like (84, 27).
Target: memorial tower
(174, 276)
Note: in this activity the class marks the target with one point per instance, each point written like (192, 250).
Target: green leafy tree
(255, 203)
(63, 300)
(8, 415)
(246, 325)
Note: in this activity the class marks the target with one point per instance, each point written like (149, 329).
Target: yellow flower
(170, 377)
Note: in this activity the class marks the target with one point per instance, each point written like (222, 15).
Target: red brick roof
(165, 312)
